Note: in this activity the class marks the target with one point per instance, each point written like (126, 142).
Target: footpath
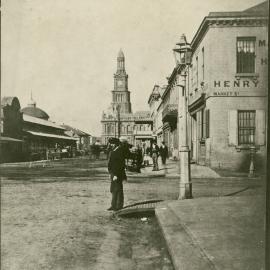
(171, 169)
(222, 227)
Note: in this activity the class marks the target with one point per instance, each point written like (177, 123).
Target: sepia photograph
(134, 135)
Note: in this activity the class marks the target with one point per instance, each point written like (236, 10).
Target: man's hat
(113, 140)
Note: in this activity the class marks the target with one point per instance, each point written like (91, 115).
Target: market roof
(8, 139)
(35, 112)
(75, 130)
(35, 120)
(42, 134)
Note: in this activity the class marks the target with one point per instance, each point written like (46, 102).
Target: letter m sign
(262, 43)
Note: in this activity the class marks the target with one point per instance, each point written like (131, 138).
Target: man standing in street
(139, 158)
(154, 154)
(163, 150)
(116, 168)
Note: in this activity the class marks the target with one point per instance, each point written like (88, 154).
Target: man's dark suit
(116, 167)
(163, 150)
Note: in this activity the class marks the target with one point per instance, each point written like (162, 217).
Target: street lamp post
(182, 56)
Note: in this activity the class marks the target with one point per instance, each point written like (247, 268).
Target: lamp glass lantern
(182, 52)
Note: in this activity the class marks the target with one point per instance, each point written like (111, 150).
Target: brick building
(227, 88)
(156, 108)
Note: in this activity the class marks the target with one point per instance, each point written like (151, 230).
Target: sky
(64, 51)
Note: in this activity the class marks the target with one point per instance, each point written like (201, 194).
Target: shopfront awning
(48, 135)
(8, 139)
(197, 105)
(143, 137)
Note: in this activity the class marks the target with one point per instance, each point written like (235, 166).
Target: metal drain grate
(139, 209)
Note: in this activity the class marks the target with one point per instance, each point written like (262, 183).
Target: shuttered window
(246, 127)
(245, 54)
(197, 72)
(207, 123)
(203, 126)
(260, 127)
(203, 63)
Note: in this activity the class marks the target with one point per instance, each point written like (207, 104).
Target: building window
(207, 123)
(129, 130)
(191, 77)
(197, 73)
(246, 54)
(203, 63)
(246, 127)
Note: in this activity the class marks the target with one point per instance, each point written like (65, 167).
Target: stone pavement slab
(184, 253)
(222, 232)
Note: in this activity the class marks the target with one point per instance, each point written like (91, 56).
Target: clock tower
(120, 94)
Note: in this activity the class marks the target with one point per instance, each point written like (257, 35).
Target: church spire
(120, 62)
(121, 95)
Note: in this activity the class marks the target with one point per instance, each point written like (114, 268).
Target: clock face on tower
(119, 83)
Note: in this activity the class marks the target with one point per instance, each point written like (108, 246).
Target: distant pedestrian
(97, 146)
(108, 150)
(154, 155)
(163, 150)
(116, 168)
(139, 158)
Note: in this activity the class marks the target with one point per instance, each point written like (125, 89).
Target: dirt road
(55, 218)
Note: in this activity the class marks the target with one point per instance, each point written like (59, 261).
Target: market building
(11, 130)
(28, 134)
(227, 89)
(119, 119)
(41, 135)
(83, 139)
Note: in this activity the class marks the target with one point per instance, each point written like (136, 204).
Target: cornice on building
(155, 94)
(170, 81)
(229, 19)
(177, 70)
